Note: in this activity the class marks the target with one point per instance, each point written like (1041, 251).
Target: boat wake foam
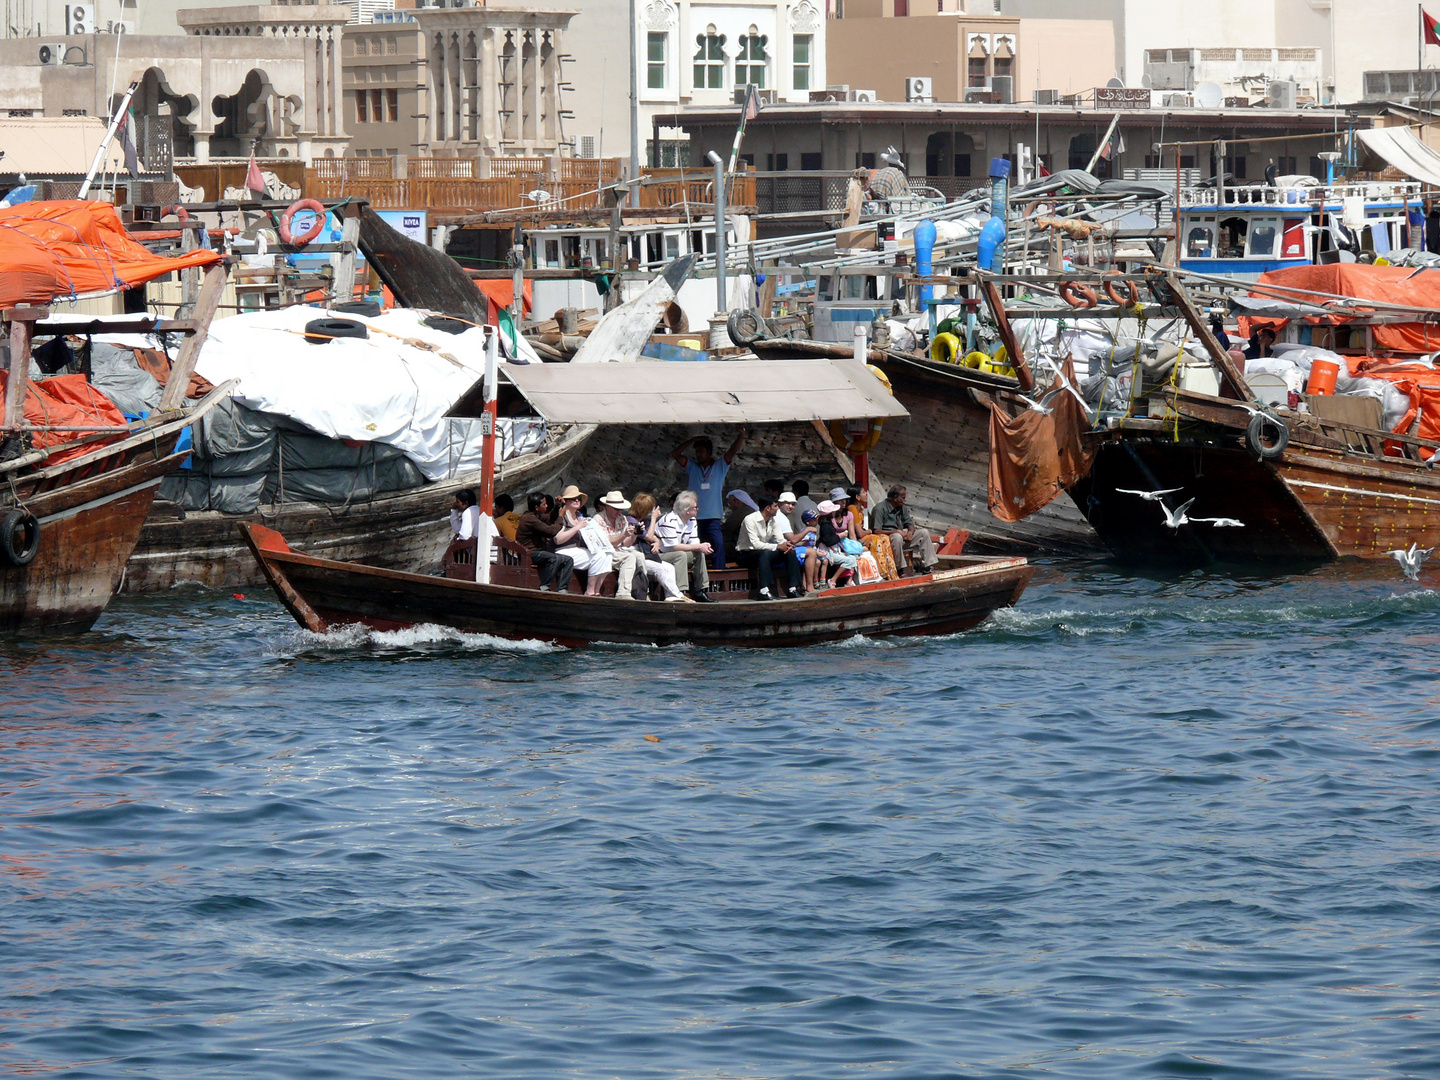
(356, 636)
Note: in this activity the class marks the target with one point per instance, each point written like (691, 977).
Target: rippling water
(1137, 827)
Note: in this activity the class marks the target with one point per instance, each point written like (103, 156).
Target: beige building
(463, 82)
(965, 56)
(242, 79)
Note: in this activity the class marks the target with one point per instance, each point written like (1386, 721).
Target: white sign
(409, 223)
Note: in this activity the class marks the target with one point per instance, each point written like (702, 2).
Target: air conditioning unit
(79, 19)
(919, 88)
(1047, 97)
(1004, 86)
(1281, 95)
(864, 96)
(765, 97)
(587, 146)
(980, 95)
(119, 26)
(834, 93)
(52, 55)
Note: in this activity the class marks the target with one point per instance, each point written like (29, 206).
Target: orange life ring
(181, 214)
(1077, 295)
(1112, 290)
(284, 228)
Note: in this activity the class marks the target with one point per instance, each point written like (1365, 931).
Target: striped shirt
(670, 531)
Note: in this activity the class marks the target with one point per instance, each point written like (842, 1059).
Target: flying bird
(1411, 560)
(1221, 523)
(1150, 496)
(1175, 518)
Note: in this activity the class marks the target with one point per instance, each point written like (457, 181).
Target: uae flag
(1429, 28)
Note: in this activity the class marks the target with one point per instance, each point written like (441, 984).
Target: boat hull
(405, 531)
(323, 595)
(90, 517)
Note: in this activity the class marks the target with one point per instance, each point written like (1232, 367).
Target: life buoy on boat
(310, 234)
(1266, 437)
(181, 214)
(1078, 295)
(19, 537)
(1112, 290)
(945, 348)
(862, 444)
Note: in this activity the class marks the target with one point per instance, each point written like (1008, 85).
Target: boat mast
(120, 114)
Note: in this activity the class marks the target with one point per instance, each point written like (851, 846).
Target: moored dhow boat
(1214, 463)
(76, 477)
(325, 594)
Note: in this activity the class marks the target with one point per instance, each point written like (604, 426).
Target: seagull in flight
(1150, 496)
(1411, 560)
(1221, 523)
(1175, 518)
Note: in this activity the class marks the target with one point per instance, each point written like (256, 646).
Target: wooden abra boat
(322, 594)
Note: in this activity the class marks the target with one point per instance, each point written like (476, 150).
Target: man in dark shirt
(893, 518)
(535, 532)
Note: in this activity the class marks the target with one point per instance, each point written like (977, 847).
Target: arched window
(751, 60)
(710, 60)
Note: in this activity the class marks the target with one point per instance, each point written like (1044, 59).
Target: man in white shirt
(763, 546)
(681, 547)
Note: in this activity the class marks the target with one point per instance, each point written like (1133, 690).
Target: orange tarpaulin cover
(1034, 457)
(59, 249)
(66, 401)
(1402, 285)
(501, 294)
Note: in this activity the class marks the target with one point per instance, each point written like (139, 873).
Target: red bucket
(1323, 374)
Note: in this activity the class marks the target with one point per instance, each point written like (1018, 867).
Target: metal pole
(105, 142)
(722, 303)
(634, 111)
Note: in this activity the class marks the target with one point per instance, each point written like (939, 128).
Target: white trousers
(598, 563)
(664, 573)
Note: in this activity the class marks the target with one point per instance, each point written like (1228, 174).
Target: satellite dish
(1208, 95)
(1147, 82)
(1116, 84)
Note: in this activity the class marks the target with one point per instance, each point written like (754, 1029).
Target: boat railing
(1265, 195)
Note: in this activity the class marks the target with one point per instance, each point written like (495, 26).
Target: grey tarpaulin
(724, 392)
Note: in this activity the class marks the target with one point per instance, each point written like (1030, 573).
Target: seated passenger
(805, 541)
(764, 547)
(833, 530)
(739, 505)
(506, 519)
(573, 541)
(877, 544)
(536, 532)
(681, 547)
(645, 515)
(464, 516)
(892, 517)
(627, 562)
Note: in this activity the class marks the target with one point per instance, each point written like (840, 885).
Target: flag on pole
(253, 180)
(1113, 145)
(1429, 27)
(752, 100)
(127, 142)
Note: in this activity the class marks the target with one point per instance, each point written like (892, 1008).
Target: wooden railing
(436, 168)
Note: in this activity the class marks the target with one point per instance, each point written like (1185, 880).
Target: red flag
(253, 180)
(1429, 28)
(752, 100)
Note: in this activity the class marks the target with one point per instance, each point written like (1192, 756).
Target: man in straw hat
(627, 559)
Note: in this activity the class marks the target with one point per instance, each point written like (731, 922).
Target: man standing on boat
(707, 479)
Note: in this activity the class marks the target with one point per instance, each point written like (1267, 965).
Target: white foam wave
(357, 636)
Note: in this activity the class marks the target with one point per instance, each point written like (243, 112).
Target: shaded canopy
(724, 392)
(50, 250)
(1402, 148)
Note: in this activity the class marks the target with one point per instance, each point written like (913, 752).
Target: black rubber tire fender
(746, 327)
(321, 331)
(371, 308)
(1255, 433)
(19, 537)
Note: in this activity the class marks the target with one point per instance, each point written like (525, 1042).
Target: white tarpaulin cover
(393, 387)
(1401, 147)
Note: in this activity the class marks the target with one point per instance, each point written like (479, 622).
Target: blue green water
(1135, 828)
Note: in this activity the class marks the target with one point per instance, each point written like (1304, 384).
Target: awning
(717, 391)
(1401, 147)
